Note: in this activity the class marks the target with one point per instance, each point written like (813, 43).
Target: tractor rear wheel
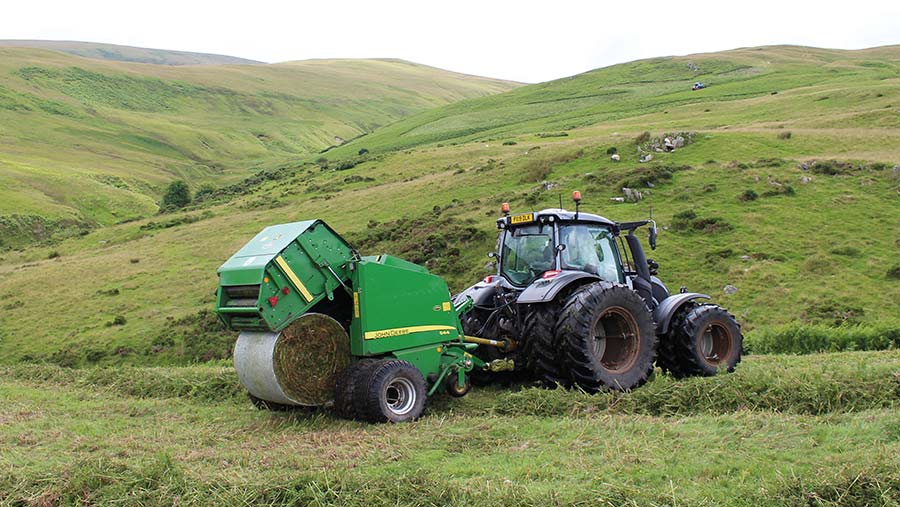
(703, 340)
(609, 337)
(544, 355)
(393, 391)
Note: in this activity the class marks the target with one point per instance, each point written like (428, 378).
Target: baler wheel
(609, 337)
(345, 390)
(393, 391)
(703, 340)
(453, 388)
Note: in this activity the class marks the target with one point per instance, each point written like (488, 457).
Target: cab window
(527, 252)
(590, 248)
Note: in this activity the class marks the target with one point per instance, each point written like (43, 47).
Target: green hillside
(775, 86)
(744, 204)
(128, 53)
(90, 142)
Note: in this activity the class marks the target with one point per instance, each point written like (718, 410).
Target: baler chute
(320, 322)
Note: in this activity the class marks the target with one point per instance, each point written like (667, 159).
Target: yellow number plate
(522, 219)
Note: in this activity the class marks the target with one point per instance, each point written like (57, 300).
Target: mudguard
(667, 308)
(482, 293)
(543, 291)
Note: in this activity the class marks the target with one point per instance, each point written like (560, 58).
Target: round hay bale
(298, 366)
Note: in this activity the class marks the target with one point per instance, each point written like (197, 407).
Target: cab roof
(559, 215)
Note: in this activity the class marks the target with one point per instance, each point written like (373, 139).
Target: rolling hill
(785, 192)
(92, 142)
(790, 197)
(128, 53)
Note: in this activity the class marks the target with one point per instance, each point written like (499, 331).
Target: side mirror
(560, 247)
(653, 233)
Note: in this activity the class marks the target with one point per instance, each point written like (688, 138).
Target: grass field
(116, 382)
(814, 430)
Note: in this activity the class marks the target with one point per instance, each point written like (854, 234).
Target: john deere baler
(320, 323)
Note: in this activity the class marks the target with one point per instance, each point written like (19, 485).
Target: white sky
(525, 41)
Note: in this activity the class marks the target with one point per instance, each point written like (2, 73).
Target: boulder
(646, 158)
(615, 157)
(729, 289)
(632, 195)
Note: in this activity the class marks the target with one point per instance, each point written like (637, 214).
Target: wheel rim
(715, 343)
(617, 339)
(400, 396)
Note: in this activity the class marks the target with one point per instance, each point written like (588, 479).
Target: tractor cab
(542, 244)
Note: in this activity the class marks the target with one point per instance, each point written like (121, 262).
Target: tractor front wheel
(703, 340)
(609, 337)
(393, 391)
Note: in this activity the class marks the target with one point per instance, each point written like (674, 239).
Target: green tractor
(575, 302)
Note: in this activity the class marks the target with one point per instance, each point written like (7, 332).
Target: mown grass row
(814, 384)
(810, 339)
(163, 481)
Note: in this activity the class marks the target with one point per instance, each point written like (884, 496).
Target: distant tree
(363, 151)
(177, 195)
(322, 162)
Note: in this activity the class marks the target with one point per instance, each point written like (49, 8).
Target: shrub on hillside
(642, 138)
(648, 176)
(781, 190)
(748, 195)
(834, 313)
(688, 221)
(785, 135)
(894, 273)
(509, 143)
(177, 195)
(204, 192)
(362, 151)
(612, 150)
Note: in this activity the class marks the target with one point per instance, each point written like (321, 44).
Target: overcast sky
(524, 40)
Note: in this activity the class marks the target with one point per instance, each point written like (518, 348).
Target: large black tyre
(345, 390)
(546, 360)
(702, 340)
(609, 337)
(393, 391)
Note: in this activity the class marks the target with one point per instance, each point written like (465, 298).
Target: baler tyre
(545, 358)
(609, 337)
(452, 385)
(394, 391)
(346, 386)
(702, 341)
